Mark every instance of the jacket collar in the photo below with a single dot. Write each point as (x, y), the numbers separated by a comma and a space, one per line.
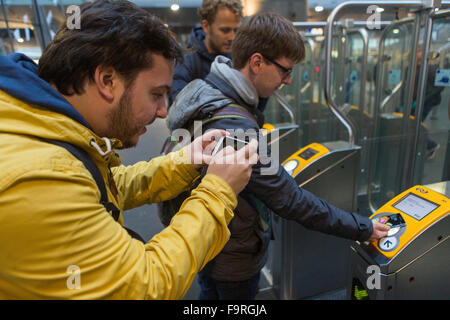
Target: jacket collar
(19, 78)
(227, 90)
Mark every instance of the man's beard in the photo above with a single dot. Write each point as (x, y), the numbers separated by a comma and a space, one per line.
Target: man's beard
(122, 125)
(216, 49)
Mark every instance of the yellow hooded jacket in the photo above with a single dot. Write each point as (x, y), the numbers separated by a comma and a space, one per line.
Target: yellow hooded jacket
(58, 242)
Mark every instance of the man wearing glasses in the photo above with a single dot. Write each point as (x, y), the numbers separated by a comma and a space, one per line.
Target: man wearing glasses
(264, 51)
(285, 72)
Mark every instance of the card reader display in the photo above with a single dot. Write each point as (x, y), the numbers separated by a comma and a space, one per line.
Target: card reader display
(304, 157)
(415, 206)
(408, 215)
(308, 154)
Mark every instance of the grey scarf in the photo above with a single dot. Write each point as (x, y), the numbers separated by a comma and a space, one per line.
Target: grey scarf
(244, 88)
(199, 94)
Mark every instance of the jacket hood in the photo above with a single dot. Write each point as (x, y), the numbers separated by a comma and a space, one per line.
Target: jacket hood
(30, 106)
(197, 41)
(231, 86)
(191, 100)
(232, 82)
(196, 38)
(19, 78)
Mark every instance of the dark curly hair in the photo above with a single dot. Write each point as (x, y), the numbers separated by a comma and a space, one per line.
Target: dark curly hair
(115, 34)
(209, 8)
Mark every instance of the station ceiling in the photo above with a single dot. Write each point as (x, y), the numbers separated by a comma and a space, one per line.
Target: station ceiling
(326, 4)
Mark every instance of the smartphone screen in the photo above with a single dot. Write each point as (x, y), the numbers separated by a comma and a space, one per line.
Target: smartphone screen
(229, 141)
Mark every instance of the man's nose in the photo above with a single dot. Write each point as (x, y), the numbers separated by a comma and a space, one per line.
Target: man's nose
(232, 35)
(161, 112)
(288, 79)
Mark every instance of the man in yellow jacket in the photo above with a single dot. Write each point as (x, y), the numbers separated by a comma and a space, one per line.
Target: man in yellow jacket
(97, 88)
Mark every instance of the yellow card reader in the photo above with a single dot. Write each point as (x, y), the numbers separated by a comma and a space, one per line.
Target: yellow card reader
(408, 215)
(305, 156)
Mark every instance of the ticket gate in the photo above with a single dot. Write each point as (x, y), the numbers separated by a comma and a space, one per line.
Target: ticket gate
(384, 180)
(308, 263)
(412, 262)
(282, 135)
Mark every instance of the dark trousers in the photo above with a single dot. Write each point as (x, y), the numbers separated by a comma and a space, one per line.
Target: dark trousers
(224, 290)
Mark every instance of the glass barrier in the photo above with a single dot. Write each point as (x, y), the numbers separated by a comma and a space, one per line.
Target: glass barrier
(432, 158)
(389, 137)
(23, 27)
(53, 13)
(27, 26)
(6, 43)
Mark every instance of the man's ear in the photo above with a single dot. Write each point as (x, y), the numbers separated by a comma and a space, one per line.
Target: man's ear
(255, 62)
(205, 26)
(106, 80)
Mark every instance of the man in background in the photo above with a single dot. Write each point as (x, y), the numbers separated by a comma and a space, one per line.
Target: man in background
(219, 22)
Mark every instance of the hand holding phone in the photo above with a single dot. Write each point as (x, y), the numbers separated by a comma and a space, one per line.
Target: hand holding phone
(235, 167)
(228, 141)
(199, 150)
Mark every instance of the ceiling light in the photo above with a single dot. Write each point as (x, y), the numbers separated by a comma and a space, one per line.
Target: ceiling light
(318, 8)
(174, 6)
(318, 31)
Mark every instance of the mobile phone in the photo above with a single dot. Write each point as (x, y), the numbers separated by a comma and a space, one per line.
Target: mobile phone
(228, 141)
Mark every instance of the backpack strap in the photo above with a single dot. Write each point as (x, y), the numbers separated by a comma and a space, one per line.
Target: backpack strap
(90, 165)
(95, 172)
(231, 111)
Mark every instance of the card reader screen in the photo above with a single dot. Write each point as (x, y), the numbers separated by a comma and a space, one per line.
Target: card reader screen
(415, 206)
(308, 153)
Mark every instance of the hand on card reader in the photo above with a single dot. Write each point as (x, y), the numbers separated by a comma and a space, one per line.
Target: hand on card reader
(397, 226)
(393, 220)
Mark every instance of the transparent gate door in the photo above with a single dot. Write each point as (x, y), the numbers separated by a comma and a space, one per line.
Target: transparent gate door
(431, 163)
(393, 123)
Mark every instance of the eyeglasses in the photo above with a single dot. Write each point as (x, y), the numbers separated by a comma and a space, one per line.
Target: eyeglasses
(286, 72)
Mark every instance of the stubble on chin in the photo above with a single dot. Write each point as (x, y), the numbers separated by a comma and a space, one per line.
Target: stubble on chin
(121, 124)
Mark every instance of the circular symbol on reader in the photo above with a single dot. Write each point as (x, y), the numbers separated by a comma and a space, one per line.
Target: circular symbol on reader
(388, 243)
